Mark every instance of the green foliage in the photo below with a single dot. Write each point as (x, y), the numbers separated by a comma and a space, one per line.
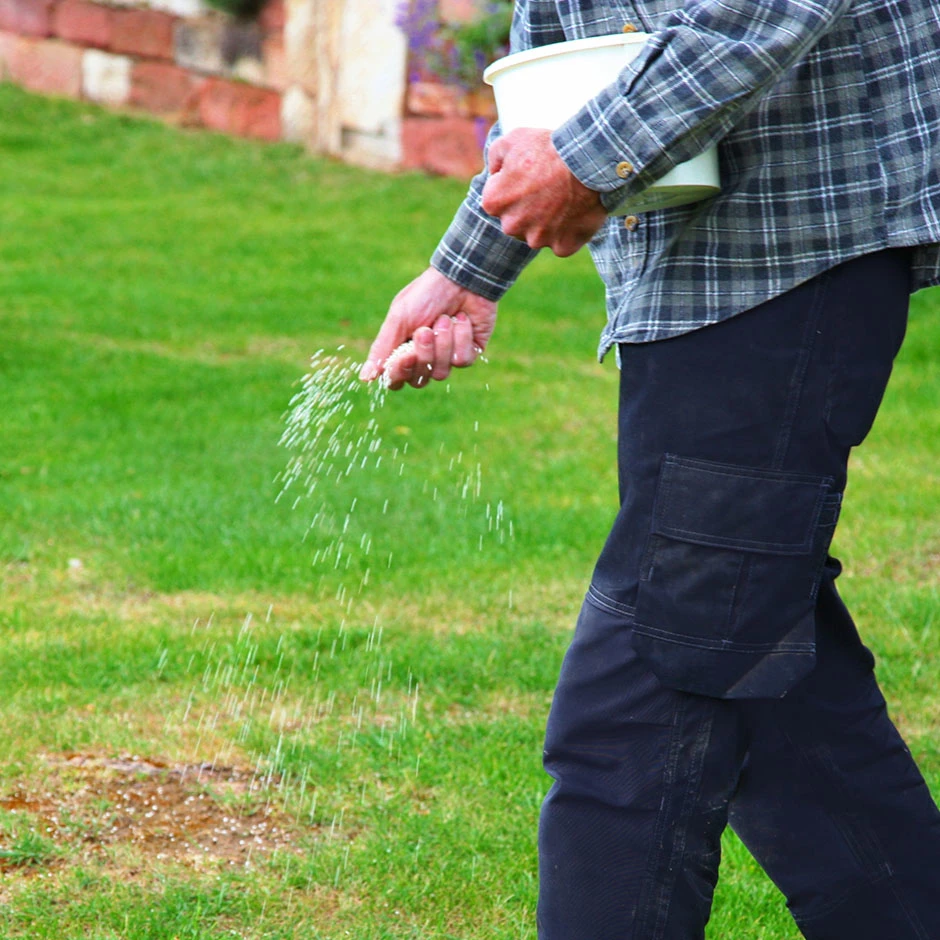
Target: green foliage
(454, 53)
(27, 848)
(242, 8)
(480, 42)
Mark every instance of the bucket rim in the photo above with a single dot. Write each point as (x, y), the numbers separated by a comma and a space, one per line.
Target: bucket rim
(559, 49)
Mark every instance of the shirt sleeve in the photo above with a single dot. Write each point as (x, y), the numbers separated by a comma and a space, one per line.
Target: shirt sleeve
(711, 62)
(474, 251)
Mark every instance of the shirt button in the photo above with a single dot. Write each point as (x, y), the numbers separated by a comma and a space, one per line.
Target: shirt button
(631, 222)
(630, 28)
(624, 169)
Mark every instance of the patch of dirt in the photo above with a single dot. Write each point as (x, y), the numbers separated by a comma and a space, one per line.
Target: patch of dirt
(190, 814)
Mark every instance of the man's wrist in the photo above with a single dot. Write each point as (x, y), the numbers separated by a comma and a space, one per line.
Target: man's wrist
(599, 162)
(475, 254)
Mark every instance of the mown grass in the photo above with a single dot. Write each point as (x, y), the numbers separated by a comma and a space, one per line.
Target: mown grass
(160, 294)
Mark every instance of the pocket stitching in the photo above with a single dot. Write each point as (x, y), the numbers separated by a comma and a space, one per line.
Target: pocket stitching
(661, 507)
(723, 645)
(752, 502)
(599, 599)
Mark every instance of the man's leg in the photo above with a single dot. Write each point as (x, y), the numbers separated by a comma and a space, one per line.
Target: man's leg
(733, 449)
(832, 805)
(629, 839)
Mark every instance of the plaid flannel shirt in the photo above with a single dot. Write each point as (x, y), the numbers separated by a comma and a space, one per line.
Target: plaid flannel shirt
(827, 118)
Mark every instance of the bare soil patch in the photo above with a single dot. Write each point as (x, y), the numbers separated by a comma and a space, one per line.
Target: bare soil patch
(194, 814)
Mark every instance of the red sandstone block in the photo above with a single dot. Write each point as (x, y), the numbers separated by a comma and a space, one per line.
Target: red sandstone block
(87, 24)
(240, 109)
(27, 17)
(448, 146)
(163, 88)
(146, 33)
(434, 99)
(273, 16)
(479, 103)
(47, 66)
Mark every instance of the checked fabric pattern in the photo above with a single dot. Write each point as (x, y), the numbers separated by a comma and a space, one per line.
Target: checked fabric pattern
(827, 116)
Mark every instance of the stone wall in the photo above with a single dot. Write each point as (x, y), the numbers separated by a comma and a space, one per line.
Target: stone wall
(444, 126)
(330, 74)
(346, 59)
(170, 57)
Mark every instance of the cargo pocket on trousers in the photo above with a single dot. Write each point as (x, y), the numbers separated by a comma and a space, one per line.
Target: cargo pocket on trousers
(728, 584)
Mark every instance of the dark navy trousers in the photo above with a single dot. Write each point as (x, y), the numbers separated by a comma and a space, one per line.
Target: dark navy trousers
(715, 676)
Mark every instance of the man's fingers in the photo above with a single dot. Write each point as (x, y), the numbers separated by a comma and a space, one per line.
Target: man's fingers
(399, 370)
(495, 156)
(489, 198)
(424, 357)
(535, 196)
(431, 300)
(443, 348)
(495, 198)
(465, 349)
(389, 338)
(432, 354)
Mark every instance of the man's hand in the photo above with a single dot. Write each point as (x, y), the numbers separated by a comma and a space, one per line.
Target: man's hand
(450, 327)
(535, 196)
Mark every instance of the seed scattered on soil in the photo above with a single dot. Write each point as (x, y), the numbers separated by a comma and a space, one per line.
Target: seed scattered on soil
(193, 814)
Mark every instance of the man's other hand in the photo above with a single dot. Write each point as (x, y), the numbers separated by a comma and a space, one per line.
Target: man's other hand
(535, 196)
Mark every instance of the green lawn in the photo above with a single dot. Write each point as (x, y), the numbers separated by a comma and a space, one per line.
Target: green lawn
(324, 750)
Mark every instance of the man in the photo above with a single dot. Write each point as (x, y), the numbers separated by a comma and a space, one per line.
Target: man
(715, 676)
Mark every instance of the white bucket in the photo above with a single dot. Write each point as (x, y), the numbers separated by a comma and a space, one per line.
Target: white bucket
(545, 86)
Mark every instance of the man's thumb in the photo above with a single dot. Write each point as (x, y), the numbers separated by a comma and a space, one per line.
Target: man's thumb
(496, 156)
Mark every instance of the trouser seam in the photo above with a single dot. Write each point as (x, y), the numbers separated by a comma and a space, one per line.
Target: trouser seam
(798, 378)
(816, 766)
(668, 851)
(913, 921)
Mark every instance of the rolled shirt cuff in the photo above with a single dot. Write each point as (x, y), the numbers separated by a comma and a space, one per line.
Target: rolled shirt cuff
(476, 254)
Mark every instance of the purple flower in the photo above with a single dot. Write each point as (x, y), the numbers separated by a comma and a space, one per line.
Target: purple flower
(454, 54)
